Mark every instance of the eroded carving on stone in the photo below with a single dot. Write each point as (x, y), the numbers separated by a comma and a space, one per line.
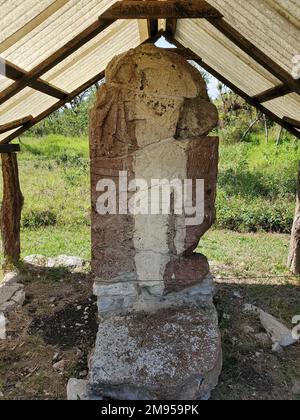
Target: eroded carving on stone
(150, 120)
(147, 121)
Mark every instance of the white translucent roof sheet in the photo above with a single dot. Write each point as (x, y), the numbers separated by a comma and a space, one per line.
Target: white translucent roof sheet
(31, 31)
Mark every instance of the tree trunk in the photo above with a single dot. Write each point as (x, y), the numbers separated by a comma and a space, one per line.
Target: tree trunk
(11, 209)
(278, 140)
(294, 256)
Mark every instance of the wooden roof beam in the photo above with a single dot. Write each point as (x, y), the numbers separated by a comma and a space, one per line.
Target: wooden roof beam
(15, 124)
(256, 54)
(170, 9)
(9, 148)
(273, 93)
(152, 27)
(54, 108)
(292, 122)
(184, 52)
(171, 26)
(16, 73)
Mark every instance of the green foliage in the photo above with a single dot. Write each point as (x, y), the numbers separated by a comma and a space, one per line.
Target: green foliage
(257, 186)
(38, 218)
(246, 254)
(71, 120)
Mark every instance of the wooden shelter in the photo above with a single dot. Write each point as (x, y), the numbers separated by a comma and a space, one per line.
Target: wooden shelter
(52, 50)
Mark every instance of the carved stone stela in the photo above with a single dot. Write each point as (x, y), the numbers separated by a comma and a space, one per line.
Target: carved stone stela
(158, 334)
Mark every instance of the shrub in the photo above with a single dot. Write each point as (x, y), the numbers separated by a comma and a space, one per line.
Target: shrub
(35, 219)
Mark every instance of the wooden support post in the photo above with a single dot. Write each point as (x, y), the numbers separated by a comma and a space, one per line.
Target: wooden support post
(294, 255)
(11, 209)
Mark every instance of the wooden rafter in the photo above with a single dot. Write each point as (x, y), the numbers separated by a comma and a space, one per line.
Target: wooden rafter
(9, 148)
(15, 124)
(272, 93)
(152, 27)
(152, 9)
(256, 54)
(16, 73)
(253, 102)
(292, 122)
(184, 52)
(64, 52)
(54, 108)
(171, 26)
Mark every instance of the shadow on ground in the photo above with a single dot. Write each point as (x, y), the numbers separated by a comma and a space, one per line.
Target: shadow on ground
(251, 370)
(58, 323)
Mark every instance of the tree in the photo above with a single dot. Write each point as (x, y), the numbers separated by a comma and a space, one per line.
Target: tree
(294, 255)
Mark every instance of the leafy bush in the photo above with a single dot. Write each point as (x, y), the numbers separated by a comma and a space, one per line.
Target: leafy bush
(257, 186)
(35, 219)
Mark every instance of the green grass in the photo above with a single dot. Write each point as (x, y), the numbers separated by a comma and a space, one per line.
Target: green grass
(57, 240)
(257, 186)
(55, 180)
(54, 147)
(237, 254)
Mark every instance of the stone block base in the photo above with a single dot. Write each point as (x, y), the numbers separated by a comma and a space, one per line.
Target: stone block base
(171, 354)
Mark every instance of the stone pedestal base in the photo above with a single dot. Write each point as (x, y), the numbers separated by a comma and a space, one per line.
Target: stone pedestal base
(170, 354)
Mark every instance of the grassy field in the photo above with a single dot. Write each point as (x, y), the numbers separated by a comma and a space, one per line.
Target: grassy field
(256, 187)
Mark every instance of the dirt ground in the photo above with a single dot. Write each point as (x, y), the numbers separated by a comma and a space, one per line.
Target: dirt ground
(51, 337)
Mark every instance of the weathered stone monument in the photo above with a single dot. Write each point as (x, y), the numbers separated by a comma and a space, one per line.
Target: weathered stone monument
(158, 331)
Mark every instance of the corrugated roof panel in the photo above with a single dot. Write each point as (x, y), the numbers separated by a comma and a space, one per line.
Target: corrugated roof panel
(272, 25)
(15, 14)
(223, 56)
(54, 32)
(4, 83)
(287, 106)
(27, 102)
(8, 133)
(79, 68)
(94, 56)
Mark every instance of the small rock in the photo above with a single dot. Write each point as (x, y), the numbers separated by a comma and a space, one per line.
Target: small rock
(251, 309)
(263, 339)
(276, 348)
(79, 353)
(64, 261)
(83, 374)
(296, 388)
(53, 300)
(77, 390)
(11, 292)
(237, 295)
(2, 326)
(248, 330)
(59, 366)
(79, 308)
(278, 332)
(226, 316)
(56, 358)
